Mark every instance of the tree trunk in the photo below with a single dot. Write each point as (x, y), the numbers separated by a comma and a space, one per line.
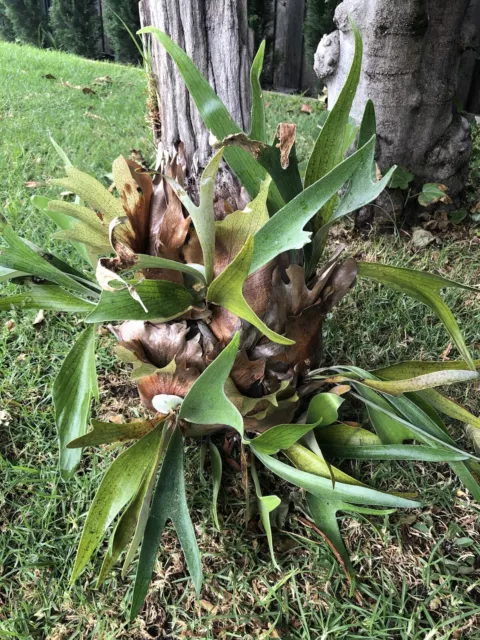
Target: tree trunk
(288, 44)
(214, 33)
(410, 68)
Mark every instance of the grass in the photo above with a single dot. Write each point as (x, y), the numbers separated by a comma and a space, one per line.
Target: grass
(419, 571)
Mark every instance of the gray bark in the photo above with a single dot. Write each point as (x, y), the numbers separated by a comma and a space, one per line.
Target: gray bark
(288, 55)
(412, 51)
(214, 33)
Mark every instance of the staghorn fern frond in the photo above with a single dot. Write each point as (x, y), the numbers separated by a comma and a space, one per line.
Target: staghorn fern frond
(220, 313)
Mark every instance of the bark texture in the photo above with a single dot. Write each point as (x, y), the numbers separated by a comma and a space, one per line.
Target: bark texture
(214, 33)
(412, 51)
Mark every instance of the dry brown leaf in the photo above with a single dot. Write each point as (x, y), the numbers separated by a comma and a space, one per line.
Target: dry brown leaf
(93, 116)
(103, 80)
(32, 184)
(39, 318)
(286, 133)
(475, 208)
(340, 389)
(116, 418)
(85, 90)
(10, 324)
(48, 76)
(239, 140)
(305, 108)
(446, 353)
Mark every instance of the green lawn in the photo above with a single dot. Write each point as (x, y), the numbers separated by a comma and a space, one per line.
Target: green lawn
(419, 572)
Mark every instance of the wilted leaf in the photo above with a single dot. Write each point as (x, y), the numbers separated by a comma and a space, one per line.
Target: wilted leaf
(103, 80)
(432, 193)
(92, 192)
(305, 108)
(426, 381)
(286, 139)
(421, 238)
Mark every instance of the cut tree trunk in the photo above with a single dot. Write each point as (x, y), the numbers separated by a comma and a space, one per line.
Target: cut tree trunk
(412, 51)
(214, 33)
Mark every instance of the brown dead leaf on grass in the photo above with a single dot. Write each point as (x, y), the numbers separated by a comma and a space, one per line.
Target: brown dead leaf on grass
(103, 80)
(85, 90)
(305, 108)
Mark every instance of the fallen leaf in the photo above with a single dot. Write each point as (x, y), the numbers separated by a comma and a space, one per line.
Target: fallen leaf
(21, 357)
(5, 416)
(39, 318)
(93, 116)
(446, 353)
(116, 418)
(306, 108)
(31, 184)
(78, 87)
(10, 324)
(208, 606)
(49, 76)
(421, 238)
(340, 389)
(103, 80)
(475, 208)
